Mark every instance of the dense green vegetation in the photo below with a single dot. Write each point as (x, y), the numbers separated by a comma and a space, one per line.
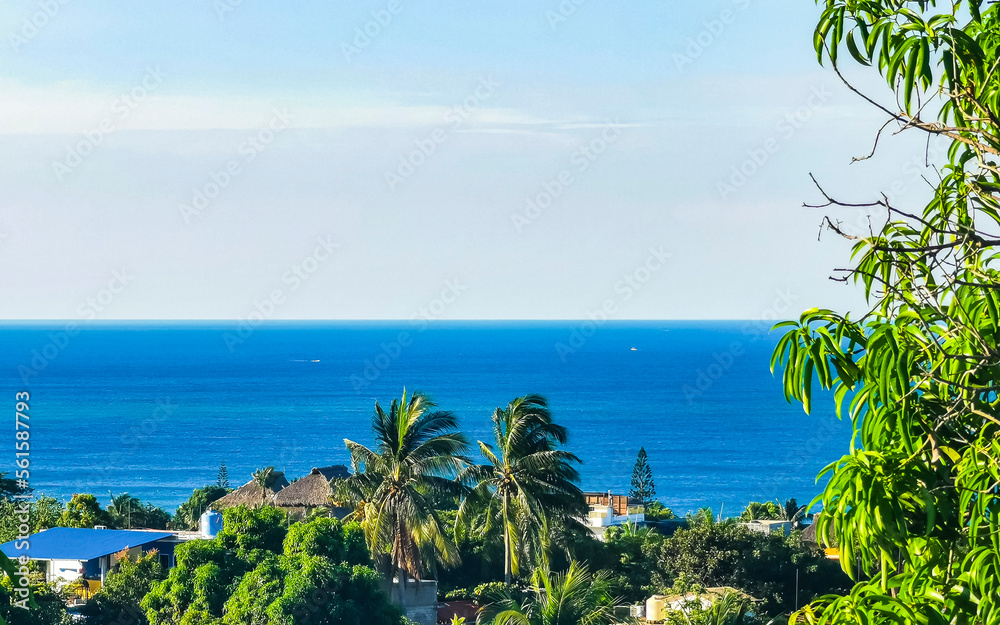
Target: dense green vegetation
(189, 512)
(257, 572)
(507, 534)
(916, 497)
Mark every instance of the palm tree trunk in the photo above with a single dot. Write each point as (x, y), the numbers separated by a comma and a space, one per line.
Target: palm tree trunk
(397, 565)
(506, 543)
(400, 586)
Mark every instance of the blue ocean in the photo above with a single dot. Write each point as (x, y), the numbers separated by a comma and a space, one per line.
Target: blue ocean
(152, 409)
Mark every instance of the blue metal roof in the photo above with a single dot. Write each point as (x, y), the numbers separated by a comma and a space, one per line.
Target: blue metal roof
(70, 543)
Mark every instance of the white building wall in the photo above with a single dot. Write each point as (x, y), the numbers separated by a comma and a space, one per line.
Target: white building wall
(67, 570)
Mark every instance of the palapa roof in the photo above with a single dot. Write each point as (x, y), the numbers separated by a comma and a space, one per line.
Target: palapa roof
(249, 493)
(313, 490)
(809, 535)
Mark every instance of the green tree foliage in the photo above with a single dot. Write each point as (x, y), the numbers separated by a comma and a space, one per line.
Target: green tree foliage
(764, 566)
(528, 486)
(631, 553)
(916, 496)
(315, 590)
(254, 573)
(731, 608)
(83, 510)
(49, 606)
(118, 601)
(245, 531)
(43, 513)
(418, 452)
(189, 513)
(569, 598)
(330, 539)
(656, 511)
(128, 512)
(480, 557)
(761, 511)
(643, 487)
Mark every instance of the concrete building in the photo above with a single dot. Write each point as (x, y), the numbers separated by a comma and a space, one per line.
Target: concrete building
(608, 510)
(769, 526)
(419, 599)
(84, 557)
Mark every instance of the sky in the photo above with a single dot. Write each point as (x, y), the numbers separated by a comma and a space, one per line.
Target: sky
(387, 159)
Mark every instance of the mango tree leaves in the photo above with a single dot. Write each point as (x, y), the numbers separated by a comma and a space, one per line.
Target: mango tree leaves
(914, 504)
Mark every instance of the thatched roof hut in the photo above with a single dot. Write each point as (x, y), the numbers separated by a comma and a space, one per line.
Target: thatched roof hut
(250, 495)
(312, 491)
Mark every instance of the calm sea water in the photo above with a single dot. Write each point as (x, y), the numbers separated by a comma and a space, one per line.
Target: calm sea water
(154, 409)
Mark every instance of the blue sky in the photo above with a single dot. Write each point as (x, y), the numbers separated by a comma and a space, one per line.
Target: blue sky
(422, 157)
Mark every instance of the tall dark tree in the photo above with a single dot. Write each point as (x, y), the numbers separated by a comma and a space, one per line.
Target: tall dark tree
(642, 479)
(222, 481)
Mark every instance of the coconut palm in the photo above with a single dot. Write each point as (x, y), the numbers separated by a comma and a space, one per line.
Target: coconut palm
(418, 452)
(728, 609)
(263, 478)
(526, 484)
(122, 508)
(575, 597)
(793, 512)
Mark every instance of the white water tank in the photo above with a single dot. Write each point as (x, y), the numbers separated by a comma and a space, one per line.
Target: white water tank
(655, 608)
(211, 524)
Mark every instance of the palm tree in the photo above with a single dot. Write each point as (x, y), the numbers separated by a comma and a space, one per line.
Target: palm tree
(263, 478)
(631, 529)
(121, 509)
(526, 482)
(729, 609)
(418, 452)
(575, 597)
(793, 511)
